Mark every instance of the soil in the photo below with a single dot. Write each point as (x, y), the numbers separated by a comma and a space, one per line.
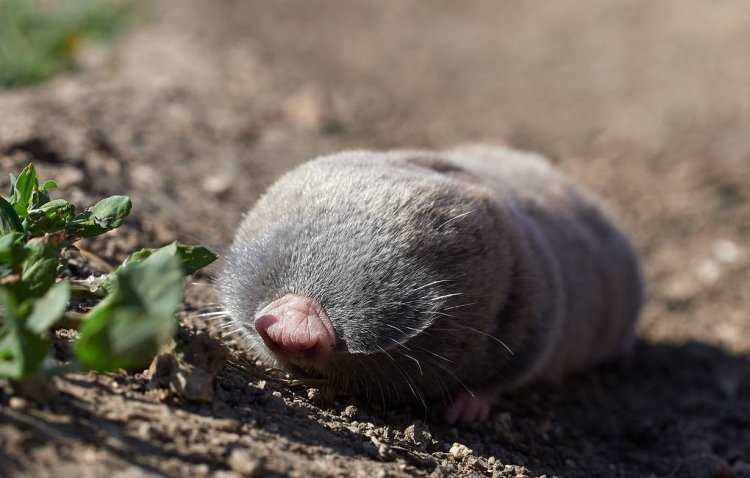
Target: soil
(203, 104)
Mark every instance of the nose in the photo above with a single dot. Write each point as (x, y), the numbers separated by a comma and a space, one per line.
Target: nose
(297, 329)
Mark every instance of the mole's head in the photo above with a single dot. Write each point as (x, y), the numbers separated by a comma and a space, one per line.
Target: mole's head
(367, 271)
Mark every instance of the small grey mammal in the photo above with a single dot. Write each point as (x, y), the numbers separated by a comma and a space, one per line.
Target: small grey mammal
(418, 275)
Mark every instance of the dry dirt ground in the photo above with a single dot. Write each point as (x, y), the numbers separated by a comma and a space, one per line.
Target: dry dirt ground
(203, 104)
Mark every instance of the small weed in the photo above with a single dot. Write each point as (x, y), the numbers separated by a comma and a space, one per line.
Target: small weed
(137, 302)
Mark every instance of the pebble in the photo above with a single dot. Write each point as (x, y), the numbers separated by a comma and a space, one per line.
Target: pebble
(726, 251)
(244, 463)
(418, 434)
(217, 184)
(313, 393)
(350, 412)
(459, 451)
(17, 403)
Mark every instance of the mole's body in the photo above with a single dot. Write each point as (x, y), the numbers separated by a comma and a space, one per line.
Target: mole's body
(432, 275)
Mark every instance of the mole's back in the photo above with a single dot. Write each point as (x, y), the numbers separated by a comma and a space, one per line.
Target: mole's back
(599, 269)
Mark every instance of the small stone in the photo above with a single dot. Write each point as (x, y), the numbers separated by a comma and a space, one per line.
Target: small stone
(217, 184)
(459, 451)
(244, 463)
(350, 412)
(276, 394)
(313, 393)
(709, 271)
(17, 403)
(144, 431)
(419, 435)
(261, 384)
(726, 251)
(201, 469)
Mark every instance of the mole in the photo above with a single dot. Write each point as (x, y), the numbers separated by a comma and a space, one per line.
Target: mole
(439, 277)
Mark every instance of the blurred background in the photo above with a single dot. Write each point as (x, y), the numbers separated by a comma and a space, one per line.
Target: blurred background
(194, 107)
(647, 103)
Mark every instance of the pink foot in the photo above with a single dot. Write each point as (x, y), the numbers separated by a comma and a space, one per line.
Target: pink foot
(469, 408)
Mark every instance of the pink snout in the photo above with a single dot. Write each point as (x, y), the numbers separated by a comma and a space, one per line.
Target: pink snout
(297, 330)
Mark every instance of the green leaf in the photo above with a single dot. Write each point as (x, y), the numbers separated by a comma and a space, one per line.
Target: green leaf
(192, 258)
(38, 198)
(40, 268)
(9, 220)
(104, 216)
(109, 213)
(24, 186)
(50, 217)
(129, 326)
(12, 250)
(13, 179)
(21, 351)
(49, 185)
(49, 308)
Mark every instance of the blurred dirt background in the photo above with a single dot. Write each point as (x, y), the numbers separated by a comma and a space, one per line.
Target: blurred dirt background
(202, 104)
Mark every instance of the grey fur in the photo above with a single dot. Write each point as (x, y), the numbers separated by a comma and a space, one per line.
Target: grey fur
(478, 267)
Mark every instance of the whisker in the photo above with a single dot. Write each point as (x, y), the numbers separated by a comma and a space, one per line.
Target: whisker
(201, 283)
(455, 218)
(469, 304)
(431, 283)
(436, 355)
(481, 332)
(455, 294)
(419, 365)
(404, 375)
(231, 332)
(218, 313)
(218, 317)
(460, 382)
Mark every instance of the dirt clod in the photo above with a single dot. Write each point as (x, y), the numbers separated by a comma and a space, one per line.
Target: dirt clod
(350, 412)
(418, 434)
(459, 451)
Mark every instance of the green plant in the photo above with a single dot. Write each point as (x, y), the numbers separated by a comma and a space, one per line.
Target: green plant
(135, 314)
(38, 40)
